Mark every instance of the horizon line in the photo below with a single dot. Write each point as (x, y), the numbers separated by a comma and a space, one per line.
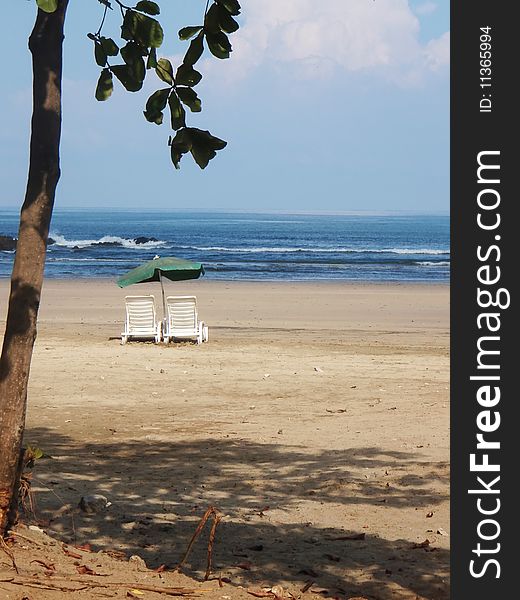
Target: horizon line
(354, 212)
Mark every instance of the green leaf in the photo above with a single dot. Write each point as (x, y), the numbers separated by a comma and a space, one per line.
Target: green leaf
(195, 50)
(109, 46)
(187, 75)
(100, 55)
(202, 155)
(204, 146)
(179, 145)
(187, 32)
(48, 6)
(128, 25)
(130, 75)
(150, 8)
(34, 453)
(38, 453)
(142, 29)
(105, 85)
(218, 44)
(155, 105)
(226, 21)
(212, 19)
(139, 70)
(151, 62)
(232, 6)
(164, 70)
(203, 137)
(177, 112)
(132, 52)
(157, 101)
(153, 117)
(218, 19)
(189, 97)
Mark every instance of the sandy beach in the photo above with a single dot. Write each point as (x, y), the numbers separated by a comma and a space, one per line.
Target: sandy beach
(316, 419)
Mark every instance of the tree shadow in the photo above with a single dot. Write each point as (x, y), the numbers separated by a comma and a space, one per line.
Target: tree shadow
(159, 490)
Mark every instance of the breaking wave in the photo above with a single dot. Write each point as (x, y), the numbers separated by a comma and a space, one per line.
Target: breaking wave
(107, 240)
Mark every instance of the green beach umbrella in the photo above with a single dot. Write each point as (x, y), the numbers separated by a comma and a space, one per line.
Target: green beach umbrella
(169, 267)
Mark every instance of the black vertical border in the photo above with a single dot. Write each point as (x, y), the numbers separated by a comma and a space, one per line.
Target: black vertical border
(473, 131)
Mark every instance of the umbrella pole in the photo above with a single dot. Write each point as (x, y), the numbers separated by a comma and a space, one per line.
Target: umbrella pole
(163, 300)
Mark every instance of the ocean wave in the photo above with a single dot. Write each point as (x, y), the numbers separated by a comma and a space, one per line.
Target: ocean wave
(107, 240)
(428, 263)
(315, 250)
(93, 260)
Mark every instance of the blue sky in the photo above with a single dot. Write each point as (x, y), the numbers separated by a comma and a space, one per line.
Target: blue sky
(338, 105)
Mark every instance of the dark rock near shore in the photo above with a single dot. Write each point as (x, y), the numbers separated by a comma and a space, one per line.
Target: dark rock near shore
(145, 240)
(107, 244)
(7, 243)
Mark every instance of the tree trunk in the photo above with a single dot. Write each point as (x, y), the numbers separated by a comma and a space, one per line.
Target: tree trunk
(45, 44)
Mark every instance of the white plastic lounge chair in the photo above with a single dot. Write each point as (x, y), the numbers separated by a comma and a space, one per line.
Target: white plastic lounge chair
(182, 320)
(141, 321)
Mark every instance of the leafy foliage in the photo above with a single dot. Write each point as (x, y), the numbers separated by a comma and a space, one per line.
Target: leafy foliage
(109, 46)
(218, 44)
(189, 97)
(150, 8)
(164, 70)
(188, 32)
(232, 6)
(187, 75)
(201, 144)
(195, 50)
(142, 29)
(177, 112)
(32, 454)
(143, 35)
(155, 105)
(105, 85)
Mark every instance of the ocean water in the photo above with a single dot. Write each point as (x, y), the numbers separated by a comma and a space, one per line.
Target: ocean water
(245, 246)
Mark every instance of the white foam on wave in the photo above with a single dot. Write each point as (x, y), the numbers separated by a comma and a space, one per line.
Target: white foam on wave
(113, 239)
(427, 263)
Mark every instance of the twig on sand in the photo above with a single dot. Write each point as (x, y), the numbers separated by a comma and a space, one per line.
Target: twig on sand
(24, 537)
(217, 517)
(6, 549)
(216, 521)
(45, 585)
(59, 583)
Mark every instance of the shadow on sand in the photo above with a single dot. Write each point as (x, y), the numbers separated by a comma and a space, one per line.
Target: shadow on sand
(160, 490)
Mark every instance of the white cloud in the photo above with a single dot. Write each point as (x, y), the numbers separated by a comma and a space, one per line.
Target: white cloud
(437, 52)
(352, 35)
